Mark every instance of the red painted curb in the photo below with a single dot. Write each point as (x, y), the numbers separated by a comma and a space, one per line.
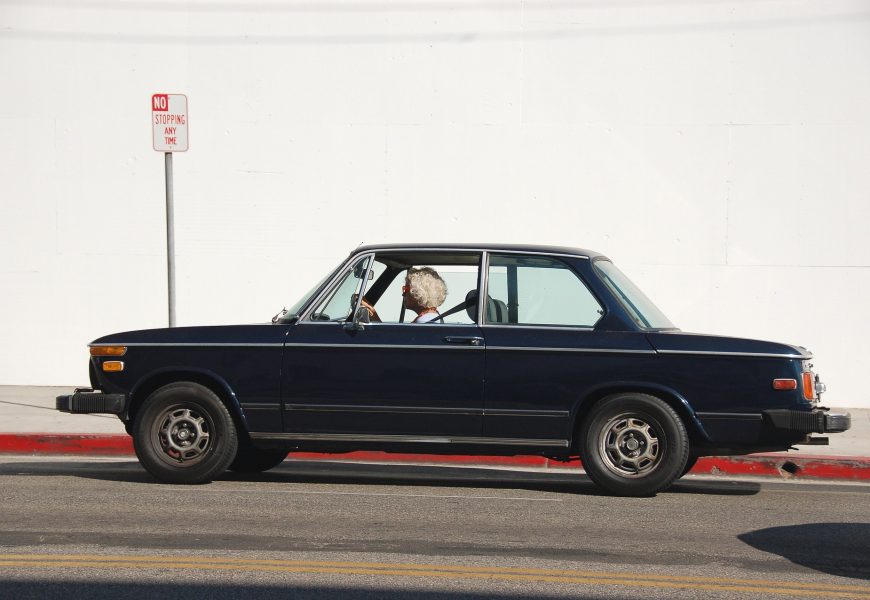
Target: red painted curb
(853, 468)
(66, 443)
(778, 465)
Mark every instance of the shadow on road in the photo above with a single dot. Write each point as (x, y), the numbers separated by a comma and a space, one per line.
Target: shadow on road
(348, 473)
(478, 477)
(121, 471)
(836, 548)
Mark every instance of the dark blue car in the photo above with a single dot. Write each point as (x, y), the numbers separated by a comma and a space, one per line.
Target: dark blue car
(534, 350)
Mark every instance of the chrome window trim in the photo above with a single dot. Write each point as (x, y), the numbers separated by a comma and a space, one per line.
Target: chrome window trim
(473, 249)
(529, 326)
(372, 253)
(745, 354)
(362, 288)
(408, 439)
(483, 293)
(340, 323)
(544, 327)
(482, 280)
(416, 410)
(482, 286)
(563, 349)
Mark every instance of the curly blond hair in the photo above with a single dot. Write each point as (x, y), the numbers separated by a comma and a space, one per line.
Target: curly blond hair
(427, 287)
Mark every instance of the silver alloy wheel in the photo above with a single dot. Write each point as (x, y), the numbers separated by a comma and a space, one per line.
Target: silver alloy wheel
(183, 434)
(629, 446)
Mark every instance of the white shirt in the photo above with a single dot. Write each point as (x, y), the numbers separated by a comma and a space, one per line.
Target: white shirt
(426, 317)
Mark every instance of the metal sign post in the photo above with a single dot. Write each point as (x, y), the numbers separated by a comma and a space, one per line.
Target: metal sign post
(170, 240)
(169, 134)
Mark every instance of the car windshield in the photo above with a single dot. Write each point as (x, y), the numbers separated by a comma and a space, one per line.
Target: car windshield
(639, 307)
(289, 314)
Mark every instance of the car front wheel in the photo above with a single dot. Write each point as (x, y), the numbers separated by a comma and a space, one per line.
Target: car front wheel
(184, 434)
(634, 444)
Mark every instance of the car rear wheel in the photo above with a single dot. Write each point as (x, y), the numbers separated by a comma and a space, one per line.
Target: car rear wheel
(254, 460)
(634, 444)
(184, 434)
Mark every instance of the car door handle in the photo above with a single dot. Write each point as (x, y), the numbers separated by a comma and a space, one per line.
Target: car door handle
(464, 340)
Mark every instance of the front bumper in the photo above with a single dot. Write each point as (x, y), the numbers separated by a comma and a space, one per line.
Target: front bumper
(800, 421)
(87, 400)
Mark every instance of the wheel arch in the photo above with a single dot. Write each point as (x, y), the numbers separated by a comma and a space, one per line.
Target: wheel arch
(696, 431)
(208, 379)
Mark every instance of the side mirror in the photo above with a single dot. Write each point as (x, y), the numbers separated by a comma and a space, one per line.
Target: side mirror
(359, 272)
(360, 318)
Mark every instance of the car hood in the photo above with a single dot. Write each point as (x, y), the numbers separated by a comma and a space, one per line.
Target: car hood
(678, 342)
(210, 334)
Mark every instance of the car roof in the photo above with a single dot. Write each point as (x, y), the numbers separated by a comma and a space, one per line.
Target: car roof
(564, 250)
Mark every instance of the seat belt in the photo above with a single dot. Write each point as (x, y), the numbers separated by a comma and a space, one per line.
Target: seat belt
(461, 306)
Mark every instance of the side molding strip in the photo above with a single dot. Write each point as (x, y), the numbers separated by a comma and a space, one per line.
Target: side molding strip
(382, 409)
(407, 439)
(730, 416)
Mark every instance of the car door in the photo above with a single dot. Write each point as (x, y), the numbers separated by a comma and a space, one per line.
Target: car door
(543, 352)
(380, 382)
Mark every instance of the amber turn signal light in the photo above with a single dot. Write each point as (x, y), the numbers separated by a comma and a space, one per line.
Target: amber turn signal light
(809, 385)
(108, 350)
(113, 366)
(785, 384)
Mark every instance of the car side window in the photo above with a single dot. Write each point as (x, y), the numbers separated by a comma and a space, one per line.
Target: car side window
(459, 279)
(533, 290)
(339, 303)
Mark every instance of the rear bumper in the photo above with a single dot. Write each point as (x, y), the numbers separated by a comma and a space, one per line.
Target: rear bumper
(815, 421)
(87, 400)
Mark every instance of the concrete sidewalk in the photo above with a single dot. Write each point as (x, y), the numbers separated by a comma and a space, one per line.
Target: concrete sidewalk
(29, 424)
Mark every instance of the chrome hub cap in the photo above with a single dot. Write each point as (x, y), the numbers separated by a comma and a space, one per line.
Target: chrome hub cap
(629, 446)
(183, 434)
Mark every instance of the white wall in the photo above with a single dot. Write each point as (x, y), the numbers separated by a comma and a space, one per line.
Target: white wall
(717, 150)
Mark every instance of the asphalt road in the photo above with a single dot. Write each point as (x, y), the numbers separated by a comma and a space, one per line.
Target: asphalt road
(89, 528)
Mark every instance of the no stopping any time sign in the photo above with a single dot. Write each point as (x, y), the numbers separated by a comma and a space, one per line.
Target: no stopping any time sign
(169, 122)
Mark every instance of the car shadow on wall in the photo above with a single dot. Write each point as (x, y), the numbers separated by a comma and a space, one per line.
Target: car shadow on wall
(841, 549)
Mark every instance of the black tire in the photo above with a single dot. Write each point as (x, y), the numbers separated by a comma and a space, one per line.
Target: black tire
(633, 445)
(184, 434)
(255, 460)
(689, 464)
